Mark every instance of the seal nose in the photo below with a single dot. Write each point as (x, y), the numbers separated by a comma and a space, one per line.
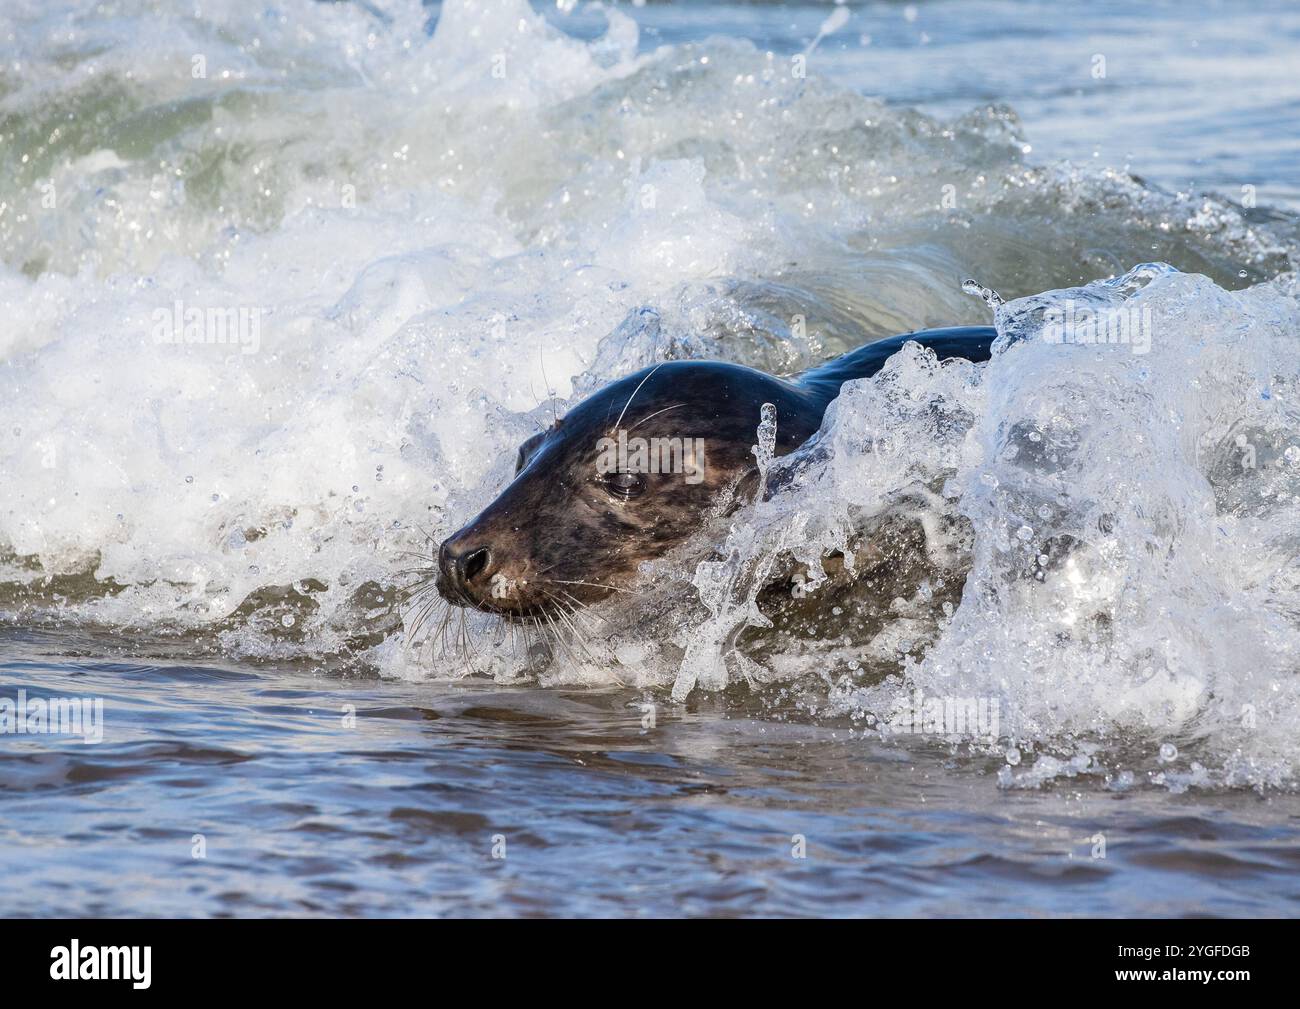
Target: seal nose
(464, 564)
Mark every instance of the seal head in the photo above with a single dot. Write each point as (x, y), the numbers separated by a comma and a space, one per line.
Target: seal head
(623, 478)
(631, 472)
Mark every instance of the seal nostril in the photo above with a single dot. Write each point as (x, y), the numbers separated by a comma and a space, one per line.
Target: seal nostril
(474, 564)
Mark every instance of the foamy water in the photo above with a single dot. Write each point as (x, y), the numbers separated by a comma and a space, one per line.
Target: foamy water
(284, 288)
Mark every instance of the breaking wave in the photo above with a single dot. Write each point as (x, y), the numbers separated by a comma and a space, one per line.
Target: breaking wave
(284, 289)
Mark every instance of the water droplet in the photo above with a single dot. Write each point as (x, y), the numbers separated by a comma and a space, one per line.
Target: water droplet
(1168, 752)
(287, 620)
(189, 479)
(765, 450)
(1025, 533)
(1013, 756)
(989, 296)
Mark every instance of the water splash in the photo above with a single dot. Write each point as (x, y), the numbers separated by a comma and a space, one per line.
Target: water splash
(1125, 519)
(987, 295)
(834, 21)
(765, 450)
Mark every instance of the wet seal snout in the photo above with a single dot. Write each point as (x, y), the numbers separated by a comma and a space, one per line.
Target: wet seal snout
(462, 563)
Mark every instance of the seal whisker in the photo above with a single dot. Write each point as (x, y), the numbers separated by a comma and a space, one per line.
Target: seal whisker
(443, 617)
(500, 620)
(634, 392)
(467, 644)
(414, 594)
(573, 628)
(537, 626)
(595, 585)
(563, 640)
(561, 614)
(548, 625)
(574, 612)
(578, 608)
(555, 635)
(412, 577)
(675, 406)
(543, 571)
(419, 604)
(408, 572)
(442, 631)
(421, 616)
(550, 394)
(440, 640)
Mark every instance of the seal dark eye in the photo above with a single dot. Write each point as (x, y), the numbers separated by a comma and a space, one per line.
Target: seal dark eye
(624, 485)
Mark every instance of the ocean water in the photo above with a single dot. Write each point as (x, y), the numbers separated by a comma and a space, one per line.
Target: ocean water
(413, 235)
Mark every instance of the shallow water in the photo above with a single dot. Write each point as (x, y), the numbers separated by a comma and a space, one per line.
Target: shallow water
(397, 815)
(207, 538)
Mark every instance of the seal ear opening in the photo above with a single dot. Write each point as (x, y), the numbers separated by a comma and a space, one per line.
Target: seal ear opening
(529, 449)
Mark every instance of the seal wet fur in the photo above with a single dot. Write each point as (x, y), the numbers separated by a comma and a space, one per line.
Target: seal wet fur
(569, 531)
